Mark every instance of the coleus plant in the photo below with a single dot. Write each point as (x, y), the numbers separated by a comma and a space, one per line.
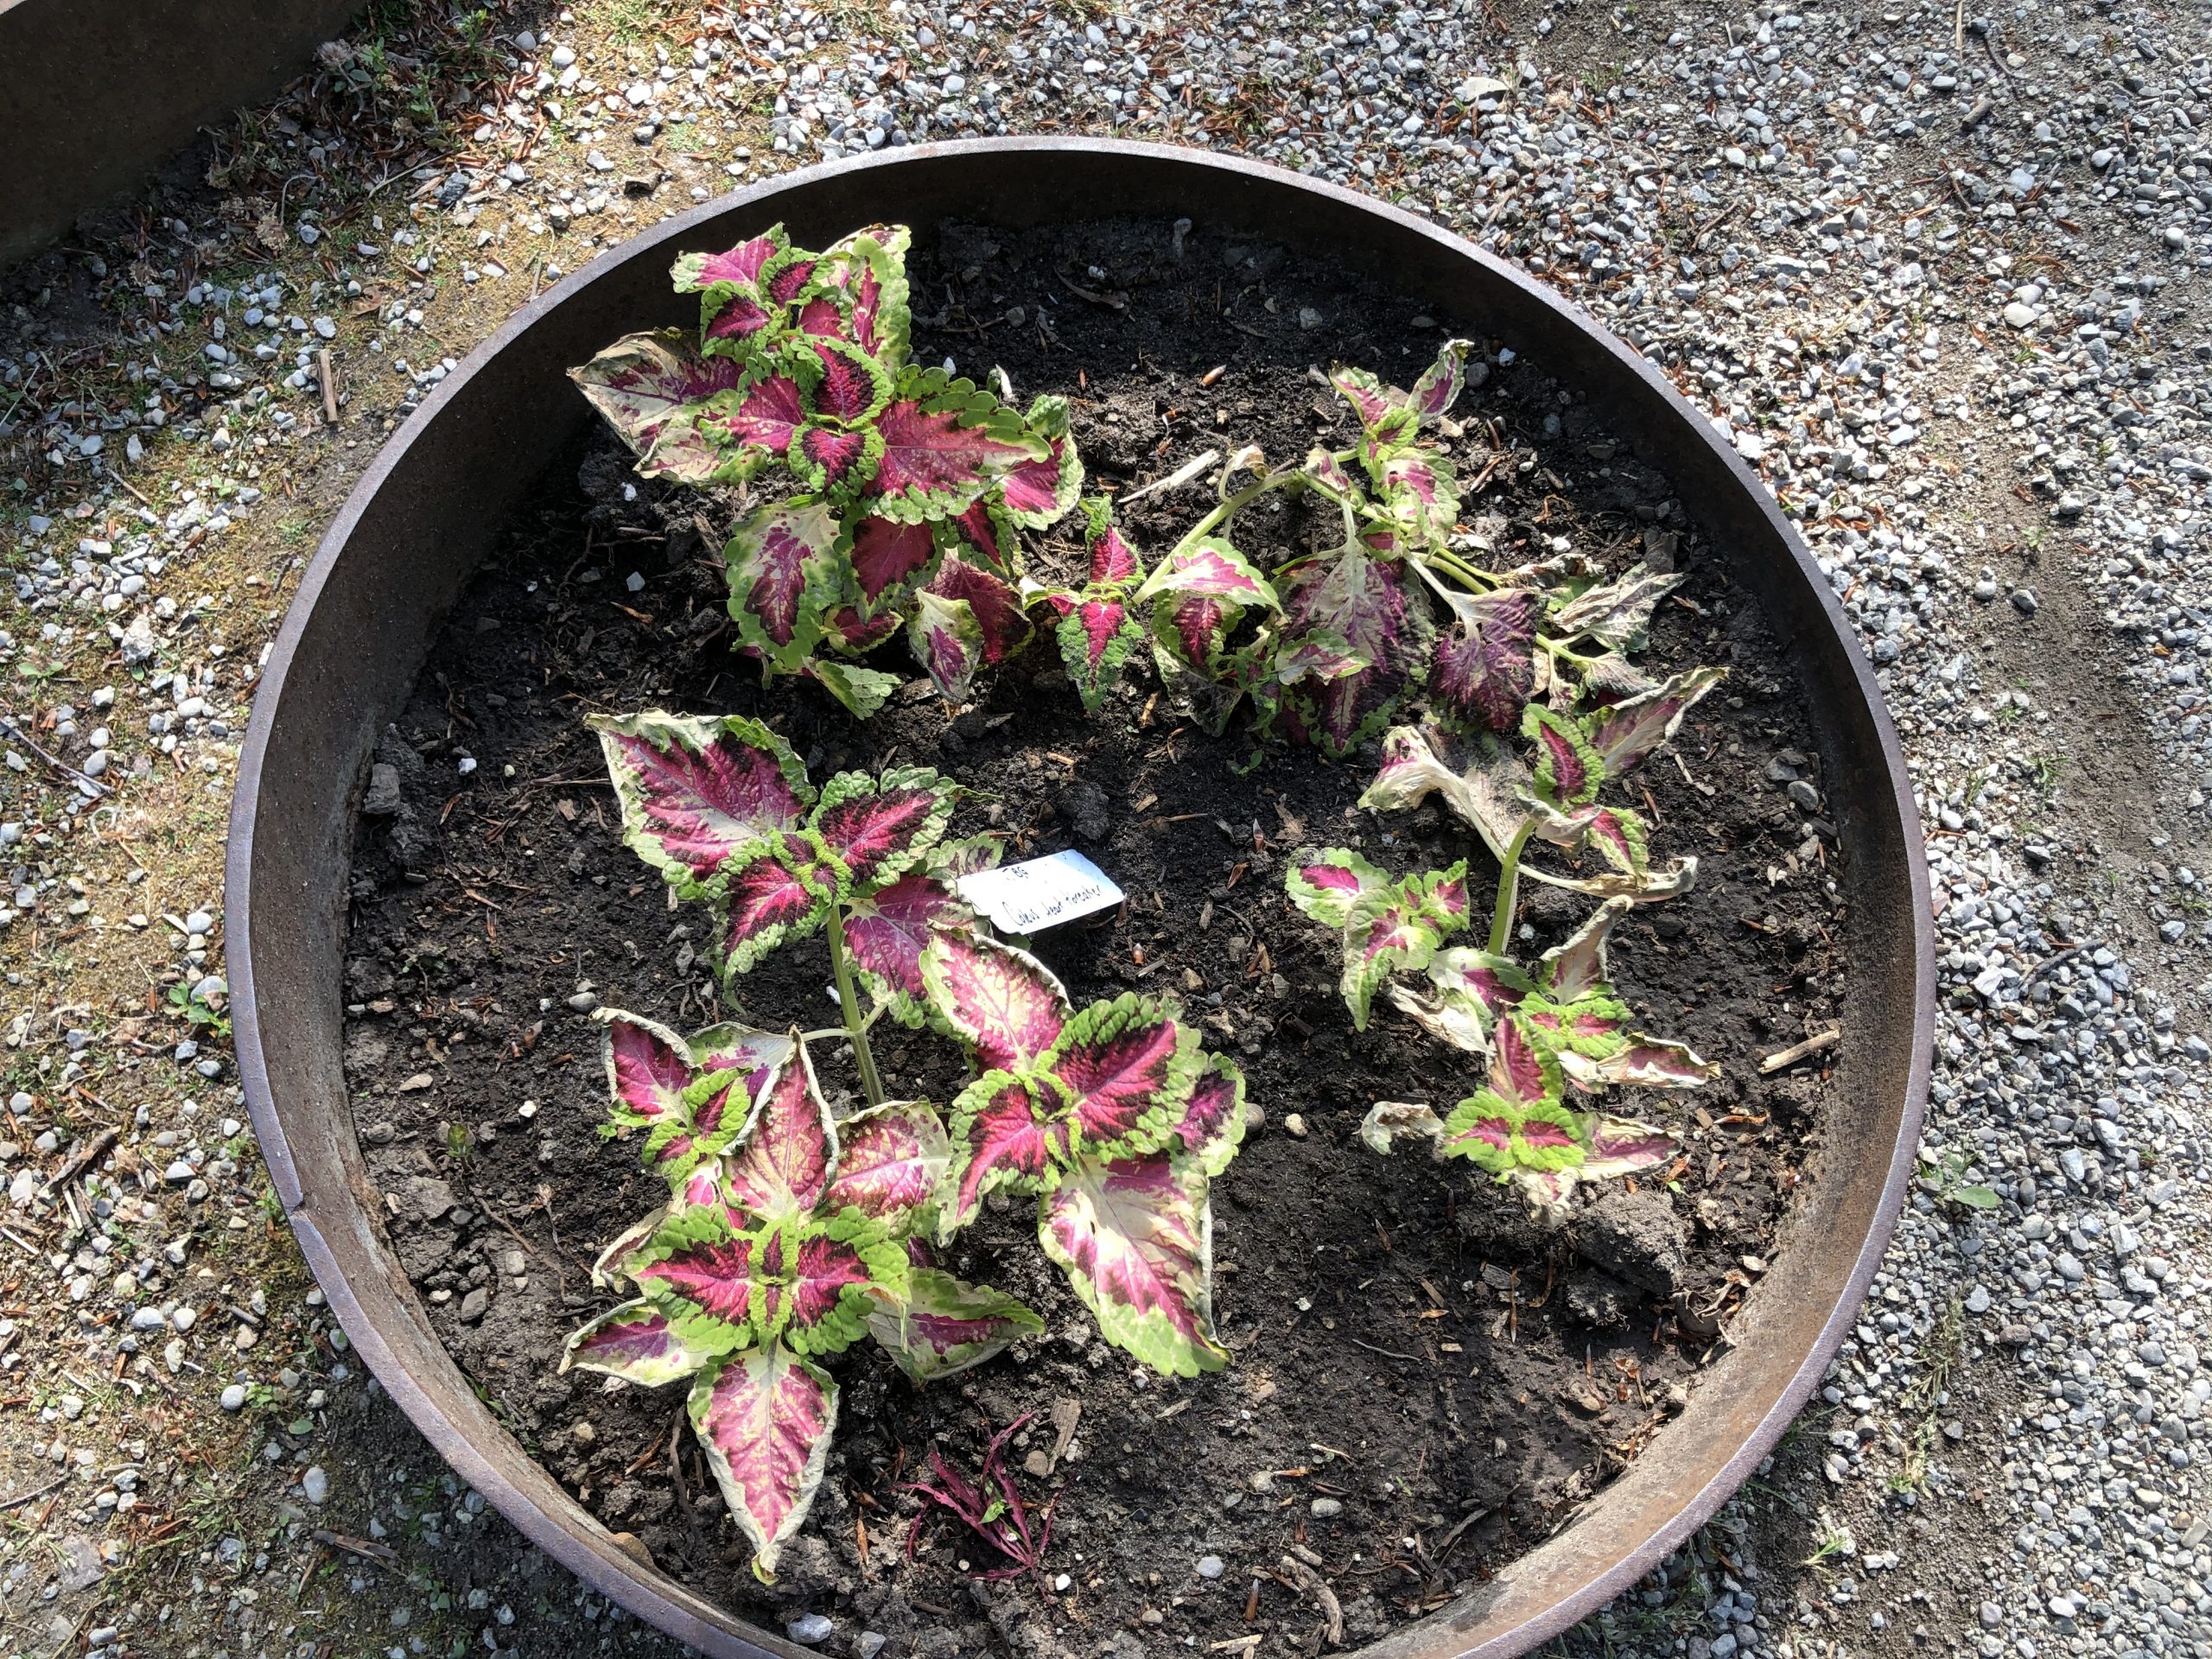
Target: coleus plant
(787, 1236)
(1335, 645)
(1113, 1118)
(911, 485)
(723, 808)
(1543, 1033)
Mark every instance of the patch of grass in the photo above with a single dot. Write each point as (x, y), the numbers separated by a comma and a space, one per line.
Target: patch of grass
(1832, 1540)
(1924, 1398)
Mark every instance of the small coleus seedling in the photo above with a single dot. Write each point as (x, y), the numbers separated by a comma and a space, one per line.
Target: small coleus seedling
(911, 484)
(1113, 1118)
(991, 1507)
(786, 1237)
(1385, 926)
(1098, 625)
(723, 808)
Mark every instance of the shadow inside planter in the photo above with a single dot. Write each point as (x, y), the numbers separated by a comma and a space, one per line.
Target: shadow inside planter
(428, 512)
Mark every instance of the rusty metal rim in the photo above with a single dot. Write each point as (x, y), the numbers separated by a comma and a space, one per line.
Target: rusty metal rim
(643, 1591)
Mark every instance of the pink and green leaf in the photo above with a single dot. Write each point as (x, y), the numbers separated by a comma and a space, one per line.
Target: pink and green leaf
(862, 690)
(1038, 492)
(773, 890)
(946, 1326)
(1114, 563)
(1324, 883)
(1522, 1073)
(705, 1274)
(885, 931)
(886, 556)
(1482, 671)
(1007, 1005)
(636, 1342)
(1209, 1127)
(944, 444)
(864, 278)
(893, 1159)
(1432, 394)
(948, 642)
(833, 461)
(783, 1163)
(1135, 1238)
(1007, 1131)
(1123, 1070)
(648, 1067)
(1501, 1135)
(1568, 770)
(842, 1268)
(646, 384)
(1644, 1063)
(764, 414)
(1621, 1146)
(765, 1418)
(693, 790)
(879, 828)
(1208, 568)
(1002, 620)
(785, 577)
(610, 1269)
(1370, 399)
(1575, 967)
(1386, 931)
(1625, 733)
(1095, 637)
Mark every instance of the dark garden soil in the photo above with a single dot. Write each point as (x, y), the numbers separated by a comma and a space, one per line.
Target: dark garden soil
(1423, 1387)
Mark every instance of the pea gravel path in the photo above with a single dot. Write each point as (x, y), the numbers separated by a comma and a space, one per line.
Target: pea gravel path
(1940, 275)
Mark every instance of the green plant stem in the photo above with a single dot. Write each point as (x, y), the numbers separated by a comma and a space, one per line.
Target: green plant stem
(1509, 889)
(1553, 648)
(1458, 569)
(871, 1082)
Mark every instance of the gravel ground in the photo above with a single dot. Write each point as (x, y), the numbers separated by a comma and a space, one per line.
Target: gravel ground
(1941, 277)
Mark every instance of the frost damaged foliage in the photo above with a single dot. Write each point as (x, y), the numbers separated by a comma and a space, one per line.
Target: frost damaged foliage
(786, 1238)
(1559, 1027)
(1334, 647)
(912, 486)
(1548, 1036)
(1115, 1120)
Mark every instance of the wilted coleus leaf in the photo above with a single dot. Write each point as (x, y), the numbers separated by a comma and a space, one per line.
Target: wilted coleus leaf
(1573, 1012)
(1481, 788)
(945, 1325)
(636, 1342)
(1465, 993)
(765, 1417)
(1363, 602)
(1136, 1238)
(693, 789)
(1624, 733)
(1440, 385)
(862, 690)
(654, 390)
(1399, 927)
(1483, 669)
(1616, 614)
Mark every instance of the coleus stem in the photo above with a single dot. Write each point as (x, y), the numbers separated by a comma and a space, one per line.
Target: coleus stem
(856, 1028)
(1509, 888)
(1458, 569)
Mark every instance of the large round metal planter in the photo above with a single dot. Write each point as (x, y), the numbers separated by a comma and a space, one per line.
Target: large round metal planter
(427, 511)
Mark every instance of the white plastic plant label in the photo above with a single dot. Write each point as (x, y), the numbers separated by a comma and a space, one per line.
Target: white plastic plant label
(1040, 892)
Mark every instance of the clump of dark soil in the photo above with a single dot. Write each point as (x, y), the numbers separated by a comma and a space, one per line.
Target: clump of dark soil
(1423, 1386)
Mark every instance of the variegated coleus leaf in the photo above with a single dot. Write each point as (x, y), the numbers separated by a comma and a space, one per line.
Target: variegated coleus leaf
(1208, 568)
(739, 308)
(1095, 637)
(1136, 1240)
(1616, 614)
(891, 1161)
(636, 1342)
(1325, 882)
(1419, 490)
(694, 791)
(756, 421)
(1617, 1147)
(777, 888)
(1399, 928)
(880, 828)
(1432, 394)
(1575, 967)
(1640, 1062)
(1518, 1121)
(786, 575)
(1007, 1006)
(985, 536)
(1465, 993)
(1483, 669)
(859, 293)
(654, 389)
(783, 1161)
(1363, 602)
(1329, 477)
(1625, 733)
(765, 1418)
(809, 1281)
(1370, 400)
(1568, 770)
(1618, 834)
(887, 559)
(608, 1269)
(966, 618)
(1115, 1083)
(946, 1326)
(885, 930)
(1038, 492)
(944, 444)
(1209, 1127)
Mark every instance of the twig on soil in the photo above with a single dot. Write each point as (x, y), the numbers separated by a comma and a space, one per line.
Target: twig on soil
(328, 376)
(1312, 1584)
(31, 1497)
(1797, 1051)
(58, 765)
(2051, 963)
(82, 1159)
(1387, 1353)
(367, 1548)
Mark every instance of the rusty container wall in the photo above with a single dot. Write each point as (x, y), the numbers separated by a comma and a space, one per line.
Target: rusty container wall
(95, 95)
(415, 528)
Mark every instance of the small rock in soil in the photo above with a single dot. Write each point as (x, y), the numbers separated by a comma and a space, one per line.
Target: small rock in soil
(810, 1628)
(1084, 806)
